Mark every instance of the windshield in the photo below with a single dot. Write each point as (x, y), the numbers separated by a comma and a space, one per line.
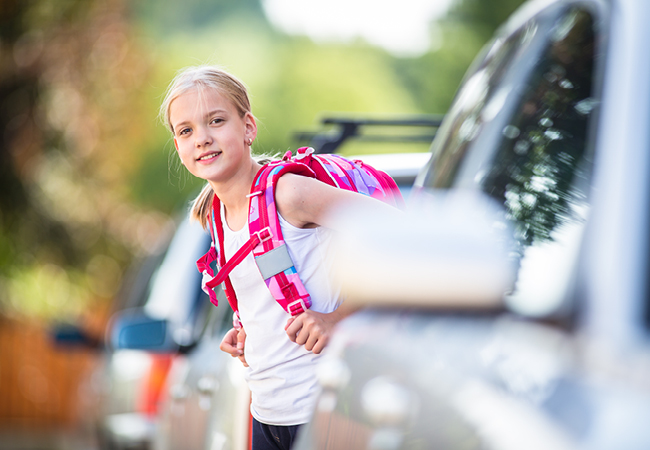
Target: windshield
(520, 131)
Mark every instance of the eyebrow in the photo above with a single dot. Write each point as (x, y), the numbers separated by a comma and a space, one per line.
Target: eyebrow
(216, 111)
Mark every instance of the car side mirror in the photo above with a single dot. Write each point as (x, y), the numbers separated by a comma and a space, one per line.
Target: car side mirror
(449, 251)
(71, 336)
(134, 330)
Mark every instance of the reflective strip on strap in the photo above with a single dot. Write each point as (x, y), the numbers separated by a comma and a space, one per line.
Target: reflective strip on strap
(274, 261)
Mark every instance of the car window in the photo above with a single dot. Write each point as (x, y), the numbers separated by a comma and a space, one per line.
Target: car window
(520, 131)
(200, 317)
(174, 284)
(175, 290)
(136, 287)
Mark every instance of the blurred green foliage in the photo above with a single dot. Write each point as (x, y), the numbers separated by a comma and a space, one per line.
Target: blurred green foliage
(89, 178)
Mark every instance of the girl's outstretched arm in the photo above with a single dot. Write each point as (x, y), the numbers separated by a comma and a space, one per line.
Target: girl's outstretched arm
(306, 202)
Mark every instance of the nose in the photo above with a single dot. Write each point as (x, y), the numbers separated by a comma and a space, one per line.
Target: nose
(202, 138)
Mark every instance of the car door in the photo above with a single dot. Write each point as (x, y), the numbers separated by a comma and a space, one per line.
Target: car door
(207, 398)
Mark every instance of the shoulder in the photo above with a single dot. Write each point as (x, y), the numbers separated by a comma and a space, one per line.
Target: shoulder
(294, 195)
(294, 189)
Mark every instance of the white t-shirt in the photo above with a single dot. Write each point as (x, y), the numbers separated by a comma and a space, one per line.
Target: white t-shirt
(281, 374)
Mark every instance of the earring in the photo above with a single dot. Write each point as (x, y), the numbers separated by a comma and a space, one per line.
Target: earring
(250, 142)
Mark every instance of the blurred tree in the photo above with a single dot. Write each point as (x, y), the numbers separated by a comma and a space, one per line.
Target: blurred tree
(312, 80)
(67, 140)
(483, 16)
(161, 17)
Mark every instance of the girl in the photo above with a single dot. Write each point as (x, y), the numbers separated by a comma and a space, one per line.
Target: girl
(208, 112)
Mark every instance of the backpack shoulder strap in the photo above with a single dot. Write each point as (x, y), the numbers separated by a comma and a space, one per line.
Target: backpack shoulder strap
(272, 255)
(216, 230)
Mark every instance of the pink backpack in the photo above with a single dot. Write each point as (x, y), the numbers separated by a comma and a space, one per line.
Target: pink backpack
(266, 241)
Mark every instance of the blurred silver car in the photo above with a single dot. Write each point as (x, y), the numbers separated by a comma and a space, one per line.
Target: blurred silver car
(510, 309)
(130, 383)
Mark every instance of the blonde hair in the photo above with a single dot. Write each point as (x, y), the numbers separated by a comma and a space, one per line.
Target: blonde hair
(204, 77)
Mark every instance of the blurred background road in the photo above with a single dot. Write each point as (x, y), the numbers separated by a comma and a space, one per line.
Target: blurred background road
(55, 440)
(89, 182)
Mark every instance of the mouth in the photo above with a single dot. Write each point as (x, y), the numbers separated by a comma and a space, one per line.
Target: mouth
(208, 156)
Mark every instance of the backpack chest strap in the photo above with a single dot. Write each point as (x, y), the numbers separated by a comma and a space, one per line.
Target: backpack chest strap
(255, 239)
(270, 251)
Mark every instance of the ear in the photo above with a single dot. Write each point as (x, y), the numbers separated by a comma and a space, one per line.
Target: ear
(176, 144)
(251, 126)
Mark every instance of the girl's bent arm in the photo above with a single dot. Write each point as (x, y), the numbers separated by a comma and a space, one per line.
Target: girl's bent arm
(306, 203)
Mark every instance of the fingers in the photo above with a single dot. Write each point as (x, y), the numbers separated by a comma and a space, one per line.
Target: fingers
(319, 345)
(241, 342)
(315, 343)
(308, 329)
(228, 342)
(231, 345)
(241, 339)
(289, 322)
(293, 327)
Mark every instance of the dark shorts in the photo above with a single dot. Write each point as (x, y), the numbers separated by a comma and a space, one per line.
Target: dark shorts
(273, 437)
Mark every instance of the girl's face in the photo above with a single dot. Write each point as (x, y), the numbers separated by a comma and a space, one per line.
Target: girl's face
(210, 136)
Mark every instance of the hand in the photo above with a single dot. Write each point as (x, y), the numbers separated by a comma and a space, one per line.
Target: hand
(233, 343)
(312, 329)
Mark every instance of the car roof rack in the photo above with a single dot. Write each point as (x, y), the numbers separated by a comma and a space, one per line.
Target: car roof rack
(341, 129)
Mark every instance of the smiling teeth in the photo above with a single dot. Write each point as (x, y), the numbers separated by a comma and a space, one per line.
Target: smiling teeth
(211, 155)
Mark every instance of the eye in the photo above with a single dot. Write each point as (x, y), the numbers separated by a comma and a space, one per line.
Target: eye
(216, 121)
(184, 131)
